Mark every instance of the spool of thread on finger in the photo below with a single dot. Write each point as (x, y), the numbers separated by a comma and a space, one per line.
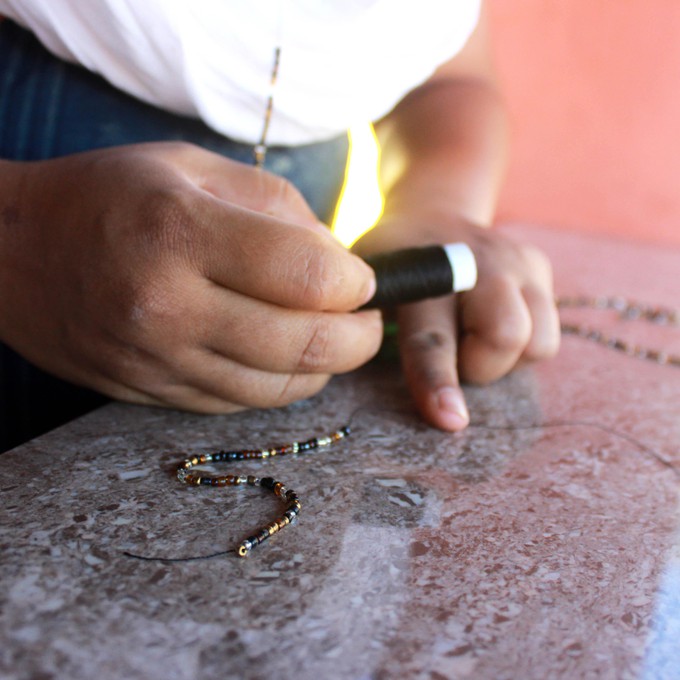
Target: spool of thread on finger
(415, 274)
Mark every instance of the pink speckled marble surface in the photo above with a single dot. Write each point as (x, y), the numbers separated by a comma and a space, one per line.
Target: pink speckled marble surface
(509, 551)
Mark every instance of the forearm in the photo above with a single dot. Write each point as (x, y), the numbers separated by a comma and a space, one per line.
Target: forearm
(443, 152)
(12, 179)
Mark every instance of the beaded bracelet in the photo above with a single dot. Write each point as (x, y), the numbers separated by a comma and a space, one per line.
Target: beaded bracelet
(288, 496)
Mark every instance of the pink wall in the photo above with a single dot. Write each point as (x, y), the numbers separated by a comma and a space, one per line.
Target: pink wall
(593, 89)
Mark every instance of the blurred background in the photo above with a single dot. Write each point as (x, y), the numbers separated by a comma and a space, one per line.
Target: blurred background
(592, 88)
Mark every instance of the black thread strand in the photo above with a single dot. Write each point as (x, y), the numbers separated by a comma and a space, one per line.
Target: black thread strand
(146, 558)
(585, 423)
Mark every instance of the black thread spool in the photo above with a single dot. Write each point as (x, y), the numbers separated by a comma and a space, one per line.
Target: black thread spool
(415, 274)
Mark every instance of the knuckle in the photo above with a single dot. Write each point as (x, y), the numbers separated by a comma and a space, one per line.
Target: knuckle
(149, 304)
(280, 192)
(537, 262)
(511, 331)
(316, 353)
(426, 342)
(164, 209)
(429, 357)
(320, 282)
(508, 327)
(153, 318)
(168, 217)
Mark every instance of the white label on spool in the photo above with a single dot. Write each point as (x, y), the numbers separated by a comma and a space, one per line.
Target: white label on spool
(463, 265)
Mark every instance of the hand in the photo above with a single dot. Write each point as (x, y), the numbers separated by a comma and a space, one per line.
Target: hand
(164, 274)
(482, 334)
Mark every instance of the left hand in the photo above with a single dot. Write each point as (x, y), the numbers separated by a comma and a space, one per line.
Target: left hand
(443, 152)
(480, 335)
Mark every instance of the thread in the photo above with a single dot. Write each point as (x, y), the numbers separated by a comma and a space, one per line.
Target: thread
(414, 274)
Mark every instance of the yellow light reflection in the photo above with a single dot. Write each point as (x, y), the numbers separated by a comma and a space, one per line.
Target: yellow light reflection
(361, 203)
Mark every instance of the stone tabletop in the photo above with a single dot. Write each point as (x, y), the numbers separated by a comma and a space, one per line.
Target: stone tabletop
(543, 542)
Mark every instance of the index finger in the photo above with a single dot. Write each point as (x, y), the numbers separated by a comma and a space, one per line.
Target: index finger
(277, 261)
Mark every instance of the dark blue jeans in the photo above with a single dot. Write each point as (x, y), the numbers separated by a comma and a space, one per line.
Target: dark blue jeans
(49, 108)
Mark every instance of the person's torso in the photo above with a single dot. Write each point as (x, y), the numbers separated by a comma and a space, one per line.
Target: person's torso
(341, 62)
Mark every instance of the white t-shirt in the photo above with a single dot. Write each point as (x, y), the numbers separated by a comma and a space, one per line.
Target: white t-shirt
(342, 61)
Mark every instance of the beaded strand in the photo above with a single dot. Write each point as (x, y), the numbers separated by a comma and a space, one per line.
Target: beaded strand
(663, 316)
(260, 149)
(288, 496)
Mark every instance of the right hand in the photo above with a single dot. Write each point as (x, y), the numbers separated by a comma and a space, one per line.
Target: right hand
(164, 274)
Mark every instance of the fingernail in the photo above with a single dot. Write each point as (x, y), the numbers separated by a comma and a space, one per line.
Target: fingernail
(451, 402)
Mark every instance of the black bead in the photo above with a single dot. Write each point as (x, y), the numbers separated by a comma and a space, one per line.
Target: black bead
(267, 482)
